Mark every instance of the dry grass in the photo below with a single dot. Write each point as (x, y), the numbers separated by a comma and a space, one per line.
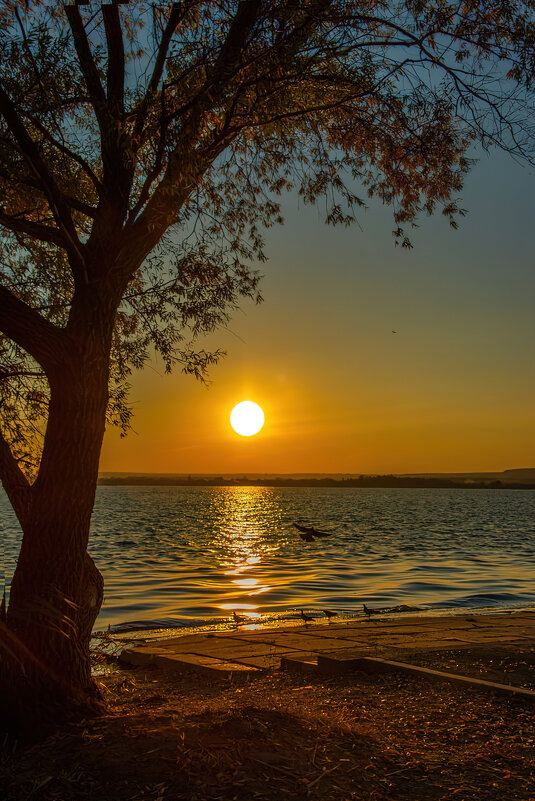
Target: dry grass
(168, 738)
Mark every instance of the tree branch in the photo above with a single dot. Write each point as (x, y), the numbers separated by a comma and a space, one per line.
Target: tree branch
(44, 233)
(117, 161)
(241, 26)
(225, 66)
(30, 153)
(87, 63)
(226, 63)
(66, 151)
(37, 336)
(33, 183)
(6, 374)
(15, 483)
(174, 18)
(79, 205)
(114, 39)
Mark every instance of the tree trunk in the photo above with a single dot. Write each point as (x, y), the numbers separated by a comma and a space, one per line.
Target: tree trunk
(56, 593)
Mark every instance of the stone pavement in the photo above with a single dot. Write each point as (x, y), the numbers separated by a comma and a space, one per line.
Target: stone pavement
(248, 650)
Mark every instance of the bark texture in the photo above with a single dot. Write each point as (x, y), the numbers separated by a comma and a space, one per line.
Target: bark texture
(57, 590)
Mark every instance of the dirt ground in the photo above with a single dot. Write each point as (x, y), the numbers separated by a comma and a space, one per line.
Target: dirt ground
(506, 664)
(282, 736)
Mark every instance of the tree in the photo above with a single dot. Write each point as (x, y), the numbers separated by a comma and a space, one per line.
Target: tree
(143, 150)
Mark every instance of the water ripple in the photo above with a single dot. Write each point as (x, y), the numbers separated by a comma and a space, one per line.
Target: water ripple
(190, 555)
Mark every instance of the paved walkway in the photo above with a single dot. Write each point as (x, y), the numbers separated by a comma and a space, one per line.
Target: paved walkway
(250, 649)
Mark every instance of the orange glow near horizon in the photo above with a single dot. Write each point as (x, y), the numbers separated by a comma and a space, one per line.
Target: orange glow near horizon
(332, 429)
(365, 358)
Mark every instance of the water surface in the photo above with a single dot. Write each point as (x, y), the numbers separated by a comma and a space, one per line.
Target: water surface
(189, 555)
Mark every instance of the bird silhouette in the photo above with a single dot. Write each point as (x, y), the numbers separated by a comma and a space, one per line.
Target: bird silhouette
(328, 614)
(309, 533)
(239, 619)
(306, 618)
(369, 612)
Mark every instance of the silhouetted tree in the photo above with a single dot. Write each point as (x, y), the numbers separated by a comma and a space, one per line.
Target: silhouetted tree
(143, 150)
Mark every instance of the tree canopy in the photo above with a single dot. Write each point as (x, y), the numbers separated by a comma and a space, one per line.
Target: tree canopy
(144, 149)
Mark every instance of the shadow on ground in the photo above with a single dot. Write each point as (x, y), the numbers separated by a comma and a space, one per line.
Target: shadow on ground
(297, 737)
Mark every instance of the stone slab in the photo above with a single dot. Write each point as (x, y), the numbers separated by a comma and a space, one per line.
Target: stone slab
(299, 664)
(140, 656)
(262, 662)
(204, 664)
(373, 665)
(300, 638)
(193, 639)
(262, 648)
(267, 662)
(234, 651)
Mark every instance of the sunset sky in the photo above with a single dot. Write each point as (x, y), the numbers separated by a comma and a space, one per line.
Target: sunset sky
(452, 390)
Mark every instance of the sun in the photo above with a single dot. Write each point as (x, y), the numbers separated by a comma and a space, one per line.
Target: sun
(247, 418)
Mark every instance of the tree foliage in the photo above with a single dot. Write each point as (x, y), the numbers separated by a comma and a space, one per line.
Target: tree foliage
(144, 149)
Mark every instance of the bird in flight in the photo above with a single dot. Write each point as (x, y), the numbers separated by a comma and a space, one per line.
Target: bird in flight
(306, 618)
(328, 614)
(309, 533)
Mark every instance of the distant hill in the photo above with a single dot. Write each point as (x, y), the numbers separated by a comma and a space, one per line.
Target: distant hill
(515, 475)
(509, 479)
(521, 473)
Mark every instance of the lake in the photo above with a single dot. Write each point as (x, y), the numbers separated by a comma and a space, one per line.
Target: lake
(188, 556)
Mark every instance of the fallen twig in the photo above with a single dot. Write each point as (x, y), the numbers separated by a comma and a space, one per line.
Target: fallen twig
(311, 784)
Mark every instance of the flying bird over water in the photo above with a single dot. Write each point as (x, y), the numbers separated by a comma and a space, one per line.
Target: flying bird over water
(306, 618)
(309, 533)
(328, 614)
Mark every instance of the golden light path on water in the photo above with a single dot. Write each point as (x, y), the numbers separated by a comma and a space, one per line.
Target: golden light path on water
(241, 538)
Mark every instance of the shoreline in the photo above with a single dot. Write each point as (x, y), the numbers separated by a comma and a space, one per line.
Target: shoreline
(249, 650)
(137, 629)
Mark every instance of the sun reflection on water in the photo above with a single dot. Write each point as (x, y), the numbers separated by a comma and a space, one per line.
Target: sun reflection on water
(240, 541)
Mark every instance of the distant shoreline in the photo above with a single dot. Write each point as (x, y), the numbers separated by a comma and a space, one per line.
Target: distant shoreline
(386, 481)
